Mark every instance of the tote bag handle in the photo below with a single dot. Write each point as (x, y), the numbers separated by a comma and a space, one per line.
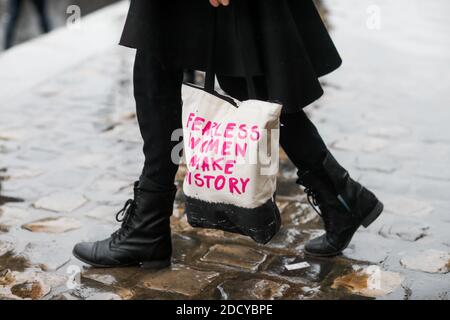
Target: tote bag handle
(210, 68)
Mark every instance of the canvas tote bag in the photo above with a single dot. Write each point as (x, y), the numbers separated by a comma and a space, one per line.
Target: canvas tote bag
(231, 150)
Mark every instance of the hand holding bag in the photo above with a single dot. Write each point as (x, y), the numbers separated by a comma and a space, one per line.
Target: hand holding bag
(231, 149)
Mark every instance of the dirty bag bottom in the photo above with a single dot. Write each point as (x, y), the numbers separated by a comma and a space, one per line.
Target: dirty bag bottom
(261, 223)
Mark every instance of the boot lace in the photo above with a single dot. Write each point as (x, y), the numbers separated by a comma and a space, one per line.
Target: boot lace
(315, 204)
(311, 196)
(124, 216)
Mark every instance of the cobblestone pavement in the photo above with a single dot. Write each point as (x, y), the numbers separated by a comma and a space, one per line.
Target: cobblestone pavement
(70, 151)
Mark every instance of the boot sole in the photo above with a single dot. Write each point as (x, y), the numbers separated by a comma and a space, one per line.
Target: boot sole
(155, 265)
(149, 265)
(371, 217)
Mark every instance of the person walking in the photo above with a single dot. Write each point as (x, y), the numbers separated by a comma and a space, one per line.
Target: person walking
(14, 10)
(289, 49)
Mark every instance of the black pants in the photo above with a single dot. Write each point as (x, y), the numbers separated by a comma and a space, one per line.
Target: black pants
(157, 91)
(14, 9)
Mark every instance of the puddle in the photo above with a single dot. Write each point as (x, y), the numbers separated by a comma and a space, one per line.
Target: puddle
(369, 282)
(12, 261)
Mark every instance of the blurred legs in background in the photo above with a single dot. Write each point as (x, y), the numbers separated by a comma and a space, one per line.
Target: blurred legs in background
(41, 8)
(14, 9)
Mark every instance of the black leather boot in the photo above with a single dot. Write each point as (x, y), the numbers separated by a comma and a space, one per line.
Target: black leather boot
(143, 239)
(344, 206)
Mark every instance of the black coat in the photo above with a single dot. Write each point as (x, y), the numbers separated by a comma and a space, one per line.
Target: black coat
(284, 44)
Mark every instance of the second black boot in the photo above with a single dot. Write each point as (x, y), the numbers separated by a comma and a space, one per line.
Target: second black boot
(345, 205)
(143, 239)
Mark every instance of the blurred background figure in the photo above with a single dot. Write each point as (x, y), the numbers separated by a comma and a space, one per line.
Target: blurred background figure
(14, 9)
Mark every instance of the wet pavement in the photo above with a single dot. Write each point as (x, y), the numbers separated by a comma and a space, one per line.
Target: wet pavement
(70, 151)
